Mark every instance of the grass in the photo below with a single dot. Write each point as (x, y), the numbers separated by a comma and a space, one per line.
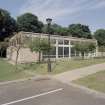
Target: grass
(94, 81)
(62, 66)
(8, 72)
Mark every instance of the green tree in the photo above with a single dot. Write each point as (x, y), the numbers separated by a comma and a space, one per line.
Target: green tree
(100, 37)
(85, 48)
(40, 46)
(56, 30)
(79, 30)
(7, 24)
(29, 23)
(63, 31)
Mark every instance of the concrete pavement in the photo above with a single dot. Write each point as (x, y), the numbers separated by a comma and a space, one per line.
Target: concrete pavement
(79, 73)
(46, 92)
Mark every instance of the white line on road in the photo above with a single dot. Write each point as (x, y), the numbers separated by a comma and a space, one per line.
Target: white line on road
(38, 95)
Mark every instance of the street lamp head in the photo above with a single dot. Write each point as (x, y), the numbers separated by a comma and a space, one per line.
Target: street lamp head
(48, 20)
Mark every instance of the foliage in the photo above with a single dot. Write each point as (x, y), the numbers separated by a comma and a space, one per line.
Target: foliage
(81, 47)
(100, 37)
(60, 30)
(91, 47)
(79, 30)
(56, 30)
(29, 23)
(85, 47)
(7, 24)
(40, 46)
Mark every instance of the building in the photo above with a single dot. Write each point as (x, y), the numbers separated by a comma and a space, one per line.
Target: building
(63, 47)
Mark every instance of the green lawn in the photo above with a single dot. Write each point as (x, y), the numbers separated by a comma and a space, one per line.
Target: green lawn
(95, 81)
(62, 66)
(8, 72)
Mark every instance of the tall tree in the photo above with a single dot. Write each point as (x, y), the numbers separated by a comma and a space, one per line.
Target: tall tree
(79, 30)
(29, 22)
(100, 37)
(7, 24)
(56, 30)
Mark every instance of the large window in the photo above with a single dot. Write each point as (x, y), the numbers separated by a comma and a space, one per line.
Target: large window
(60, 52)
(66, 51)
(72, 51)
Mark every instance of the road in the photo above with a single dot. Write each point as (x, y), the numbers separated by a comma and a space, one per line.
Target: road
(45, 92)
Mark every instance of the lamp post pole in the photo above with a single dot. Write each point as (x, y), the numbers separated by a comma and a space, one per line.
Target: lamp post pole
(48, 20)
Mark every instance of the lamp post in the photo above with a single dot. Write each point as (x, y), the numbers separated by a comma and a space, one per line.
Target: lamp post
(48, 20)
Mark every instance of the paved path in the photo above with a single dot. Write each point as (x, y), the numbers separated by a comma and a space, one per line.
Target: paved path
(46, 92)
(79, 73)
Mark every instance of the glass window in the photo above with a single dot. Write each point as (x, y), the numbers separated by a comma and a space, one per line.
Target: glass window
(66, 52)
(60, 51)
(72, 51)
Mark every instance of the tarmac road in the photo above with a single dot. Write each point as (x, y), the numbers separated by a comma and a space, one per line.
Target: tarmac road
(45, 92)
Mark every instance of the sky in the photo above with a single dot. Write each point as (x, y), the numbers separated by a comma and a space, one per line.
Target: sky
(63, 12)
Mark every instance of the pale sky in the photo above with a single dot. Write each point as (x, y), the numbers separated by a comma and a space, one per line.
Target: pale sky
(63, 12)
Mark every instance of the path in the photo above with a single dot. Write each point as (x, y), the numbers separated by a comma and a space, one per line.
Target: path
(46, 92)
(79, 73)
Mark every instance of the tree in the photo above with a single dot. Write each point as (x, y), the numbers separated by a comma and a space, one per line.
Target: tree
(29, 23)
(40, 46)
(79, 30)
(85, 48)
(17, 46)
(100, 37)
(7, 24)
(56, 29)
(63, 31)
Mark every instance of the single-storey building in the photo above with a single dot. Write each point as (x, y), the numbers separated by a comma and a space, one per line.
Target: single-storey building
(63, 47)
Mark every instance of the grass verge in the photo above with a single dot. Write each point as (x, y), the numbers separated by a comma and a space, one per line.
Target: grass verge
(8, 72)
(95, 81)
(61, 66)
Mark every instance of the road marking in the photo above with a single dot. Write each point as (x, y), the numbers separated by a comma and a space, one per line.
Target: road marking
(38, 95)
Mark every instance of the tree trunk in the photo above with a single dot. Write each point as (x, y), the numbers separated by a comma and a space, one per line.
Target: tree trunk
(17, 55)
